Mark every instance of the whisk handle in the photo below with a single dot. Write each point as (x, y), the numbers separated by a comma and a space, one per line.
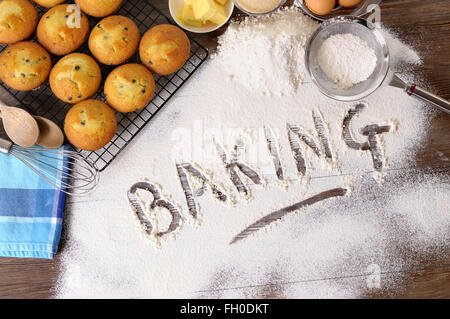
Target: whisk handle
(5, 146)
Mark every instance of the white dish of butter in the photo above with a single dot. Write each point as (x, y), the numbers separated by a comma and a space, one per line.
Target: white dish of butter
(258, 7)
(176, 11)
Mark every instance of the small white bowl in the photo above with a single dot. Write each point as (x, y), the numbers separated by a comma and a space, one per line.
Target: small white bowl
(175, 7)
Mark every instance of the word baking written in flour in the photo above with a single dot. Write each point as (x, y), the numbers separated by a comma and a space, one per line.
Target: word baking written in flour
(195, 183)
(227, 308)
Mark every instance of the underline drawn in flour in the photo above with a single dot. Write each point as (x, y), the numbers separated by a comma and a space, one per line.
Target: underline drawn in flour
(234, 164)
(144, 214)
(185, 167)
(269, 219)
(371, 132)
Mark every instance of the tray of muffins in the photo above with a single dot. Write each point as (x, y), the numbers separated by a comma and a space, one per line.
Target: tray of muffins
(101, 69)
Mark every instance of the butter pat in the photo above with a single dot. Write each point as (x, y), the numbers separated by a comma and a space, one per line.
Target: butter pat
(187, 16)
(220, 16)
(200, 12)
(203, 9)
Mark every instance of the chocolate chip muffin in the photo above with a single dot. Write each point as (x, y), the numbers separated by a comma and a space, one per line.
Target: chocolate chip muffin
(24, 66)
(58, 31)
(164, 49)
(114, 40)
(48, 3)
(18, 20)
(129, 87)
(99, 8)
(76, 77)
(90, 125)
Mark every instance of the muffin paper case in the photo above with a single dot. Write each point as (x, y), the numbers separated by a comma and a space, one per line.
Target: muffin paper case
(31, 212)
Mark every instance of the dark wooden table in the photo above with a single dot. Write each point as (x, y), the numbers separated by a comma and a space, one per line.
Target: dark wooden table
(426, 25)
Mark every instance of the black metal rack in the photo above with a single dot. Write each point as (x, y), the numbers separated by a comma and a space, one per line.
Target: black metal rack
(43, 102)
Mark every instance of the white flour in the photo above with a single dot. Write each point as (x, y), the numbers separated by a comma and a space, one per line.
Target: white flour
(277, 43)
(346, 59)
(349, 237)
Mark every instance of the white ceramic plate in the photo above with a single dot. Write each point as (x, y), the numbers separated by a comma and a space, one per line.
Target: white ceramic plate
(175, 7)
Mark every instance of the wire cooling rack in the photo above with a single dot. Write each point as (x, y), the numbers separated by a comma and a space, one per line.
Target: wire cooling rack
(42, 102)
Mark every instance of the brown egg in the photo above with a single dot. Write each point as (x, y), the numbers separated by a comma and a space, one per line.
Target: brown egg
(349, 3)
(320, 7)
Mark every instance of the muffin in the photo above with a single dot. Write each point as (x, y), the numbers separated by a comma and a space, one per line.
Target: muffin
(24, 66)
(48, 3)
(114, 40)
(75, 78)
(18, 19)
(56, 33)
(90, 125)
(99, 8)
(129, 87)
(164, 49)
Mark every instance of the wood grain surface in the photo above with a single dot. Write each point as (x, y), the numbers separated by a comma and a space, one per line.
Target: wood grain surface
(423, 24)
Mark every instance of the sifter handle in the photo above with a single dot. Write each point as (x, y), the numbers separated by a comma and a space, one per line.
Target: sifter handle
(424, 95)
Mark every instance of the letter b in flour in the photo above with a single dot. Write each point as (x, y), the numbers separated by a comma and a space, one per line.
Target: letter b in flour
(143, 215)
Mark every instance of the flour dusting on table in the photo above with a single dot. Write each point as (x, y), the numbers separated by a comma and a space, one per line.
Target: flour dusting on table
(277, 42)
(291, 143)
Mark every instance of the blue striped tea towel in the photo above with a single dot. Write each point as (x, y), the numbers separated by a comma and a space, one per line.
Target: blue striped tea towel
(31, 212)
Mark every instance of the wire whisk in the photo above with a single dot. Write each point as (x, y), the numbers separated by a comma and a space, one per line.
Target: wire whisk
(66, 171)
